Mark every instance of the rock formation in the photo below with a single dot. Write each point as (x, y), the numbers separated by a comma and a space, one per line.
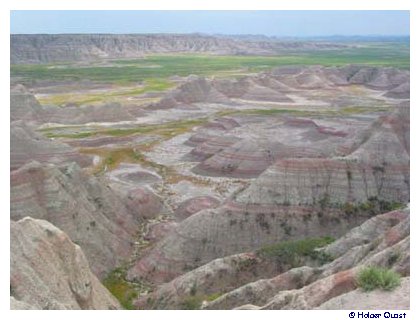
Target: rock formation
(249, 279)
(82, 206)
(381, 241)
(398, 299)
(49, 271)
(82, 47)
(193, 187)
(27, 145)
(23, 105)
(294, 196)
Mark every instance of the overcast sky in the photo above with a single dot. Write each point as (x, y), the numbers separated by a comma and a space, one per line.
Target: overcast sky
(271, 23)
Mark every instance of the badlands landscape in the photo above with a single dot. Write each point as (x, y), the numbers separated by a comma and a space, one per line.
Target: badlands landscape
(208, 172)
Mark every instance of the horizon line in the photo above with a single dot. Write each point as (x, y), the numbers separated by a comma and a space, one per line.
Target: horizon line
(219, 34)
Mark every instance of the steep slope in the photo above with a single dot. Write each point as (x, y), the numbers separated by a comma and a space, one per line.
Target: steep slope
(397, 299)
(82, 206)
(24, 106)
(49, 271)
(381, 241)
(293, 198)
(256, 278)
(27, 145)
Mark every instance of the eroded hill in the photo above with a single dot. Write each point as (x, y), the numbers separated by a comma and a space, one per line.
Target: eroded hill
(81, 47)
(268, 190)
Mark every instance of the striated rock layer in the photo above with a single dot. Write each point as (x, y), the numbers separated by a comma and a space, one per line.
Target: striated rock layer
(293, 198)
(27, 145)
(382, 241)
(278, 84)
(397, 299)
(82, 206)
(24, 106)
(42, 48)
(235, 228)
(49, 271)
(250, 280)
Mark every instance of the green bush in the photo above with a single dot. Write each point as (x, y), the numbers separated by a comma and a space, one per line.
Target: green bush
(292, 252)
(371, 278)
(191, 303)
(120, 289)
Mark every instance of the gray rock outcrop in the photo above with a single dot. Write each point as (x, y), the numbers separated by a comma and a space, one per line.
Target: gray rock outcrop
(45, 48)
(49, 271)
(27, 145)
(82, 206)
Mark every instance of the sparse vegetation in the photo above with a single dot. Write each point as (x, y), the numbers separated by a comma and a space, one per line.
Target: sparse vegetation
(371, 278)
(117, 93)
(113, 157)
(246, 264)
(294, 252)
(214, 296)
(193, 290)
(191, 303)
(305, 113)
(287, 229)
(393, 258)
(122, 290)
(324, 201)
(165, 130)
(194, 301)
(372, 206)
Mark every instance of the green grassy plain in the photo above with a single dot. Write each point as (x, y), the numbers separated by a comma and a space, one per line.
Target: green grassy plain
(133, 77)
(154, 67)
(116, 94)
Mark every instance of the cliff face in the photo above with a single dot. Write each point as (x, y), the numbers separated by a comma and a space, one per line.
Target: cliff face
(49, 271)
(91, 213)
(81, 206)
(79, 47)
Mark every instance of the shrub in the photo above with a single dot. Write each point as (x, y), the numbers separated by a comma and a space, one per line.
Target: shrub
(214, 296)
(191, 303)
(120, 289)
(193, 289)
(371, 278)
(292, 252)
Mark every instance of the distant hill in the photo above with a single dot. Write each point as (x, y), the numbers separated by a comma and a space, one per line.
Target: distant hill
(46, 48)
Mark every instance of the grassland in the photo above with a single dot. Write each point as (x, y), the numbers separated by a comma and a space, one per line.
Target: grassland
(154, 67)
(318, 112)
(133, 77)
(165, 130)
(116, 94)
